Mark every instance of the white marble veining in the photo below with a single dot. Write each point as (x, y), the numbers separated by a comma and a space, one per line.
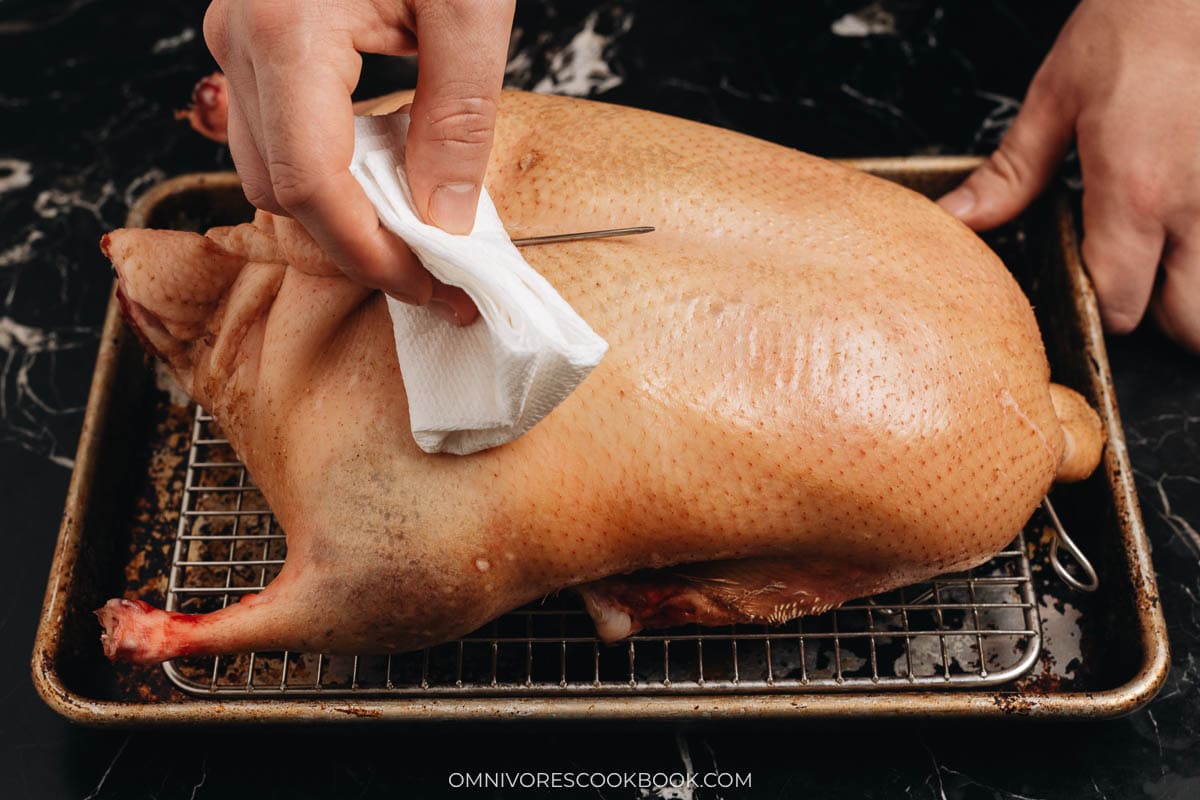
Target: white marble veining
(168, 44)
(15, 174)
(22, 251)
(871, 20)
(580, 68)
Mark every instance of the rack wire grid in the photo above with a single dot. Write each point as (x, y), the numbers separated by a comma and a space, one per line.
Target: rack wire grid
(972, 629)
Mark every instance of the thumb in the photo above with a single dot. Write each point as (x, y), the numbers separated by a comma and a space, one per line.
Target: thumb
(462, 47)
(1001, 188)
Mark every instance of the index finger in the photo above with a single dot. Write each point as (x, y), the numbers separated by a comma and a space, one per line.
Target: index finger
(308, 126)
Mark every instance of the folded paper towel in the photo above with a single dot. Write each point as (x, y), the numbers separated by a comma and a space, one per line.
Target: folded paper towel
(483, 385)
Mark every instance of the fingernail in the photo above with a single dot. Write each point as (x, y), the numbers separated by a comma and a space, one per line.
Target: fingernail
(444, 310)
(452, 207)
(959, 202)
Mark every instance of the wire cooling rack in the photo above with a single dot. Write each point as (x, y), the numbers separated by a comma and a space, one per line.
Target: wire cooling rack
(972, 629)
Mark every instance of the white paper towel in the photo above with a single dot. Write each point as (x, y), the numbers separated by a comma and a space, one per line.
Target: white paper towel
(483, 385)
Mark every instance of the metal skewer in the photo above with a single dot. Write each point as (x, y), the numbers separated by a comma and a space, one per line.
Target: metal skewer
(574, 237)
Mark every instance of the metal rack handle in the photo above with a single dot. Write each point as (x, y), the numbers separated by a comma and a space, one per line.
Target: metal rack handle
(1092, 581)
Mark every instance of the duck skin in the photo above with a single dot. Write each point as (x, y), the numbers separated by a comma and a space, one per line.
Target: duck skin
(820, 386)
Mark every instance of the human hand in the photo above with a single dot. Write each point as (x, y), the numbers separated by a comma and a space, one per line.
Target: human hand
(1123, 80)
(291, 66)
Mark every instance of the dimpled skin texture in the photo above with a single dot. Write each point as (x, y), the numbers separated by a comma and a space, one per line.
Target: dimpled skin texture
(813, 373)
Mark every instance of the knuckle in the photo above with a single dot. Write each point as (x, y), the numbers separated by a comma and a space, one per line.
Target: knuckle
(1048, 89)
(401, 275)
(265, 19)
(259, 194)
(247, 23)
(1143, 193)
(367, 274)
(1008, 166)
(401, 281)
(439, 9)
(292, 185)
(1119, 167)
(465, 121)
(216, 30)
(463, 11)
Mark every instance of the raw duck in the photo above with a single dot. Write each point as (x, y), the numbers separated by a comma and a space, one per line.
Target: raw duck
(820, 386)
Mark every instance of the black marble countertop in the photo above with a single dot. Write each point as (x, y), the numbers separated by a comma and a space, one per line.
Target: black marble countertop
(86, 93)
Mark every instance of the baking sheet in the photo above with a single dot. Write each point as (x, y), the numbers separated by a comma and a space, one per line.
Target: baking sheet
(1109, 658)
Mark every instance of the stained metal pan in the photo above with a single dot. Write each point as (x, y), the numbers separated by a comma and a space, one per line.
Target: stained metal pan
(123, 507)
